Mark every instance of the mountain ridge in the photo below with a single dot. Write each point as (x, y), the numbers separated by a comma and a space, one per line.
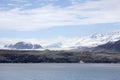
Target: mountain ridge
(23, 45)
(109, 47)
(85, 41)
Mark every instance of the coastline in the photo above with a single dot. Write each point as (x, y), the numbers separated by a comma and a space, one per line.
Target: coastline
(47, 56)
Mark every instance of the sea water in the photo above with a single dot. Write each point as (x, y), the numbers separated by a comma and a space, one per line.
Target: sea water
(59, 71)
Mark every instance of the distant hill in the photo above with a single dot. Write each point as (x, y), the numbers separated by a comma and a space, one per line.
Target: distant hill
(23, 45)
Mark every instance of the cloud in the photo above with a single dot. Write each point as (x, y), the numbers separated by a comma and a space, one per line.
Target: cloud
(87, 13)
(19, 1)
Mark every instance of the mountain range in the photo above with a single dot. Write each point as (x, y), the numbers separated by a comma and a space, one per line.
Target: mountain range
(96, 40)
(87, 41)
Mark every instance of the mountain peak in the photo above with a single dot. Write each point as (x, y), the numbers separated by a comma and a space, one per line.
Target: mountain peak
(23, 45)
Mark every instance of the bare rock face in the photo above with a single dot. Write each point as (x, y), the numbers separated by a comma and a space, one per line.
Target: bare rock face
(37, 46)
(23, 45)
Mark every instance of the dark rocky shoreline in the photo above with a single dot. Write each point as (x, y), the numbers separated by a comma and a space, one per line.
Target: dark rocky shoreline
(47, 56)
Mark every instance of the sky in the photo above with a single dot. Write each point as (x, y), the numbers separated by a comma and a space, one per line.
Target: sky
(46, 19)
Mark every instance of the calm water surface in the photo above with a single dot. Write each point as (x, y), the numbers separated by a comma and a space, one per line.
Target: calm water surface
(59, 71)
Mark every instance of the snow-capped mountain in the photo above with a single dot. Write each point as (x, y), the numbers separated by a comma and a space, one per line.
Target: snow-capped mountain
(88, 41)
(108, 47)
(68, 43)
(23, 45)
(97, 39)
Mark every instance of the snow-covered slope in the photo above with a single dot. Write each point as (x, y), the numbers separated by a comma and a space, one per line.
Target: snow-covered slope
(97, 39)
(88, 41)
(68, 43)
